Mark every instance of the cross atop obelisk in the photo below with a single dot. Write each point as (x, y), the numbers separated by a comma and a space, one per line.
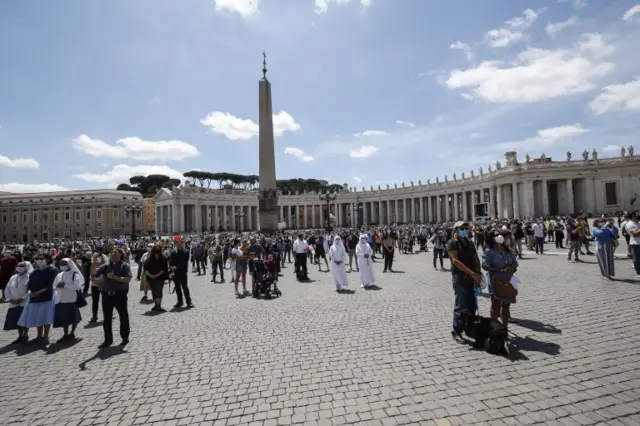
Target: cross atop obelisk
(267, 196)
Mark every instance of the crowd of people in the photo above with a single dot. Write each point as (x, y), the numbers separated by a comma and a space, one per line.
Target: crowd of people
(47, 284)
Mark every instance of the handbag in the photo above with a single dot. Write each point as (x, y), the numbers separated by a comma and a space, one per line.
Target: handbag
(81, 301)
(504, 288)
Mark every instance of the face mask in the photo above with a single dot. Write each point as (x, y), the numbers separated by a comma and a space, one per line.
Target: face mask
(499, 239)
(21, 269)
(64, 267)
(41, 263)
(462, 233)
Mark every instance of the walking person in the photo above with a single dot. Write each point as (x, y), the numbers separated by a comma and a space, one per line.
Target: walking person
(438, 240)
(115, 277)
(179, 265)
(364, 253)
(97, 260)
(338, 267)
(156, 272)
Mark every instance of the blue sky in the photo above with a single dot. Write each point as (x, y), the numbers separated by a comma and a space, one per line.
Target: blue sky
(365, 92)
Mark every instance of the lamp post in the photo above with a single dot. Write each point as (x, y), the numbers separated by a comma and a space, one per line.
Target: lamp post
(238, 214)
(134, 210)
(328, 197)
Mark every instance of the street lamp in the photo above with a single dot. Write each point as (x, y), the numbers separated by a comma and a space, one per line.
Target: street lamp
(134, 210)
(328, 197)
(238, 214)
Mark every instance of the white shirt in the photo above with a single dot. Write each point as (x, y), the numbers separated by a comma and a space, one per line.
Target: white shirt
(72, 283)
(300, 246)
(632, 226)
(17, 289)
(538, 230)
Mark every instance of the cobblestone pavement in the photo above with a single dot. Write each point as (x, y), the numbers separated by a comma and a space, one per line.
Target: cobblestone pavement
(375, 357)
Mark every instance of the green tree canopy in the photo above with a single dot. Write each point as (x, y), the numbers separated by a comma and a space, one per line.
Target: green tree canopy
(148, 185)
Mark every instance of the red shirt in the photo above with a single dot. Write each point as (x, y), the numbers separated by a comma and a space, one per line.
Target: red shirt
(271, 266)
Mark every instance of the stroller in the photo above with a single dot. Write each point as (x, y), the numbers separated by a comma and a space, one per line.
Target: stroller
(264, 284)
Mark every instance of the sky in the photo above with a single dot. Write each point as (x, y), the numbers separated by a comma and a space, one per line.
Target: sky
(365, 92)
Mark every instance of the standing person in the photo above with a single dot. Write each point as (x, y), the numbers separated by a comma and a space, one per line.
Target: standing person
(155, 272)
(97, 260)
(388, 249)
(352, 243)
(500, 263)
(320, 253)
(465, 273)
(300, 248)
(573, 239)
(538, 236)
(605, 233)
(17, 291)
(338, 267)
(144, 282)
(66, 313)
(38, 311)
(216, 258)
(115, 277)
(364, 253)
(199, 255)
(179, 265)
(240, 257)
(633, 229)
(438, 240)
(7, 268)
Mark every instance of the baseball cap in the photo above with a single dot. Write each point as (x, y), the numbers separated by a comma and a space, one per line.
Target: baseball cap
(460, 223)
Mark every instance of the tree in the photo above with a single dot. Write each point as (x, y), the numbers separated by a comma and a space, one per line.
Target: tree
(147, 185)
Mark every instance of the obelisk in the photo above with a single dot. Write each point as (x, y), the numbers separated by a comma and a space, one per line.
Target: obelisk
(267, 194)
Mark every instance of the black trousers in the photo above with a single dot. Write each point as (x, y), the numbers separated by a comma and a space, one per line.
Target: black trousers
(437, 253)
(215, 264)
(301, 263)
(95, 301)
(180, 281)
(200, 264)
(117, 301)
(388, 260)
(139, 271)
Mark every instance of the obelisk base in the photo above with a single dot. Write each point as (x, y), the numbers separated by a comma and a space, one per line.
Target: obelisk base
(268, 210)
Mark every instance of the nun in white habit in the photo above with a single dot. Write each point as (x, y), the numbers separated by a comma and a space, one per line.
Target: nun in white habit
(338, 266)
(67, 284)
(363, 253)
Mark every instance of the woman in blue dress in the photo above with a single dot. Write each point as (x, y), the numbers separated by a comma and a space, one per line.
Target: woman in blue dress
(500, 263)
(16, 293)
(38, 311)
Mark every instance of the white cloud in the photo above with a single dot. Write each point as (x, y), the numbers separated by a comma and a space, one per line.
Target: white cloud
(135, 148)
(370, 133)
(357, 179)
(23, 188)
(617, 97)
(18, 163)
(611, 148)
(122, 172)
(298, 153)
(580, 4)
(538, 74)
(405, 123)
(245, 8)
(545, 137)
(364, 151)
(323, 5)
(513, 31)
(554, 28)
(458, 45)
(631, 13)
(238, 129)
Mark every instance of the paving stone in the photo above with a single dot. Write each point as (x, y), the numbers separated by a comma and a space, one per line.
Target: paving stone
(375, 357)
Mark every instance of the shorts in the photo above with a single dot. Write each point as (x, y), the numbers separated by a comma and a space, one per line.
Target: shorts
(241, 268)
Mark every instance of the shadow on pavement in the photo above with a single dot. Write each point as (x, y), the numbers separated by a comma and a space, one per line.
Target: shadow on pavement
(56, 347)
(103, 354)
(534, 325)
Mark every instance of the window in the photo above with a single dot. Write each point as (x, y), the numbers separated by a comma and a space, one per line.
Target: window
(15, 218)
(45, 217)
(88, 215)
(56, 225)
(56, 217)
(99, 224)
(4, 218)
(127, 224)
(115, 214)
(611, 193)
(24, 218)
(35, 217)
(126, 214)
(99, 214)
(67, 216)
(78, 225)
(77, 215)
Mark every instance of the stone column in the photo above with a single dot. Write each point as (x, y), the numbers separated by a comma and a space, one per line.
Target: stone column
(545, 197)
(456, 207)
(516, 200)
(570, 201)
(499, 196)
(465, 206)
(447, 207)
(529, 200)
(250, 217)
(492, 203)
(365, 213)
(421, 209)
(198, 216)
(175, 220)
(396, 216)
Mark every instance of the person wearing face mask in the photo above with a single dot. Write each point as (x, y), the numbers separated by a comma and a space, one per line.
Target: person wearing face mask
(338, 267)
(17, 293)
(66, 314)
(156, 271)
(500, 262)
(39, 310)
(465, 271)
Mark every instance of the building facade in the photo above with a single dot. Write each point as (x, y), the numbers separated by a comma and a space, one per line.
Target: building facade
(149, 216)
(68, 214)
(535, 187)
